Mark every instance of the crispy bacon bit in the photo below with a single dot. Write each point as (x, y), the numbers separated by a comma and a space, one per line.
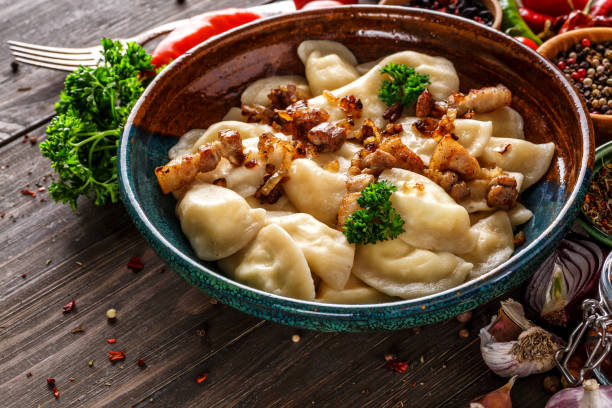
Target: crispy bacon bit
(348, 205)
(451, 183)
(394, 112)
(327, 137)
(333, 166)
(424, 104)
(502, 192)
(519, 239)
(404, 157)
(135, 264)
(284, 96)
(68, 307)
(481, 100)
(425, 127)
(450, 155)
(257, 113)
(250, 164)
(356, 183)
(298, 119)
(116, 355)
(182, 171)
(351, 106)
(376, 162)
(221, 182)
(503, 149)
(231, 146)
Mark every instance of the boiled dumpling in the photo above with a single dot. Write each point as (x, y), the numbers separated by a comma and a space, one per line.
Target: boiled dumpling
(398, 269)
(272, 263)
(185, 143)
(246, 130)
(495, 243)
(354, 293)
(442, 75)
(281, 205)
(327, 251)
(506, 122)
(257, 92)
(217, 221)
(329, 65)
(315, 191)
(533, 160)
(234, 114)
(433, 220)
(519, 215)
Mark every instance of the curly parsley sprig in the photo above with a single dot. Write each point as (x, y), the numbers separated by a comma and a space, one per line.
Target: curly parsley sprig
(377, 220)
(406, 85)
(83, 138)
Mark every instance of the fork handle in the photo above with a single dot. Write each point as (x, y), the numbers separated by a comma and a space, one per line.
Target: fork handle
(155, 32)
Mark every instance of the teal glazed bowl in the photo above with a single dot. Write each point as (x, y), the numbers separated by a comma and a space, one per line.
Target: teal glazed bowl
(198, 88)
(603, 155)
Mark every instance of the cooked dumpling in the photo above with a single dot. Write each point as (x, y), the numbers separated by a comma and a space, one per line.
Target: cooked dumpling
(185, 143)
(433, 220)
(234, 114)
(354, 293)
(272, 263)
(495, 243)
(329, 65)
(533, 160)
(315, 191)
(282, 205)
(506, 122)
(398, 269)
(519, 215)
(442, 75)
(246, 130)
(257, 92)
(327, 251)
(217, 221)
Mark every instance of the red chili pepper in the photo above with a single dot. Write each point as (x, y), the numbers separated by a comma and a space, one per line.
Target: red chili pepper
(116, 355)
(576, 19)
(397, 366)
(536, 21)
(111, 341)
(601, 21)
(68, 308)
(554, 7)
(601, 8)
(528, 42)
(199, 29)
(135, 264)
(202, 378)
(317, 4)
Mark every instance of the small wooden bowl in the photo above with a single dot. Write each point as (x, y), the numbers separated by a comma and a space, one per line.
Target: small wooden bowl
(551, 48)
(492, 5)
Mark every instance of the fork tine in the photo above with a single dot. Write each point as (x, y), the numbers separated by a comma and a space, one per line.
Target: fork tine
(53, 49)
(58, 67)
(57, 61)
(72, 57)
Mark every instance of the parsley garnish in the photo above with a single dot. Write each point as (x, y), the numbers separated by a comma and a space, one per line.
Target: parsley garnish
(377, 220)
(83, 137)
(406, 86)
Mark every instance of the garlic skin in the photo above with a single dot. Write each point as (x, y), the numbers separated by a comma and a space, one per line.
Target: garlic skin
(590, 395)
(499, 398)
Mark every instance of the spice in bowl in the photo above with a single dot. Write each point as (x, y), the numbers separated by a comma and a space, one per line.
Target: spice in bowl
(598, 201)
(472, 9)
(587, 66)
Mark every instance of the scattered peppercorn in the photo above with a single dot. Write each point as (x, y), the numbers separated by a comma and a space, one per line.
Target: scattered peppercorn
(23, 275)
(587, 66)
(90, 363)
(464, 333)
(28, 374)
(465, 317)
(295, 338)
(135, 264)
(142, 363)
(111, 314)
(472, 9)
(14, 67)
(597, 203)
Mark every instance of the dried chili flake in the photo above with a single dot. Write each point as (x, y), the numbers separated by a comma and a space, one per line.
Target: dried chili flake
(68, 307)
(135, 264)
(598, 201)
(3, 214)
(397, 366)
(23, 275)
(55, 392)
(142, 362)
(116, 355)
(51, 382)
(27, 191)
(202, 378)
(111, 341)
(71, 379)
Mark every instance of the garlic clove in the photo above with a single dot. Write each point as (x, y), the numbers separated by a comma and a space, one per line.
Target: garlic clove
(500, 398)
(510, 321)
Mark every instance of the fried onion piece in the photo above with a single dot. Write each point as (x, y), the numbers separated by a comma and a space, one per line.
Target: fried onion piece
(231, 146)
(404, 157)
(451, 155)
(297, 119)
(285, 95)
(424, 104)
(481, 100)
(182, 171)
(356, 183)
(348, 205)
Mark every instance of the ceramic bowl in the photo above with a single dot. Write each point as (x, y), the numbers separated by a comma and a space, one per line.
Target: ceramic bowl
(603, 155)
(551, 48)
(198, 88)
(492, 5)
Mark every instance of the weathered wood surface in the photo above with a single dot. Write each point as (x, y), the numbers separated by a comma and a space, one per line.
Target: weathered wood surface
(176, 328)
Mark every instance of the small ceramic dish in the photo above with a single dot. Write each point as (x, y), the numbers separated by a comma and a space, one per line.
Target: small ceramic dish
(603, 155)
(492, 5)
(198, 88)
(563, 42)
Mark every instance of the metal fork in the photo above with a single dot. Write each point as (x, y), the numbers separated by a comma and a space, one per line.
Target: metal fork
(69, 59)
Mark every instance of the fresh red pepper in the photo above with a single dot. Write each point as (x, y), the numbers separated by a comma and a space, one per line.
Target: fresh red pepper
(528, 42)
(601, 8)
(199, 29)
(554, 7)
(536, 21)
(308, 4)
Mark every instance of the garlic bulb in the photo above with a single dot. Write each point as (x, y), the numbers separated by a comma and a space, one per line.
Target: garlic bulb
(590, 395)
(512, 345)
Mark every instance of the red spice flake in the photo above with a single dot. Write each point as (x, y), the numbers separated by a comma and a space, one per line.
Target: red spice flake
(71, 379)
(23, 275)
(2, 214)
(68, 308)
(25, 139)
(55, 392)
(202, 378)
(27, 191)
(111, 341)
(397, 366)
(51, 382)
(135, 264)
(142, 362)
(116, 355)
(41, 189)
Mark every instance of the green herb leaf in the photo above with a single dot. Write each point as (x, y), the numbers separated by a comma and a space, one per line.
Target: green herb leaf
(83, 138)
(377, 220)
(406, 85)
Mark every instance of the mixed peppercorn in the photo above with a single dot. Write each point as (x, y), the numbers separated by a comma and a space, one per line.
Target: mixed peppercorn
(598, 202)
(472, 9)
(588, 67)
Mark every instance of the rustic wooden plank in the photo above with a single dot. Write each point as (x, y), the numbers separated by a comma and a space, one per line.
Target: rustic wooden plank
(29, 94)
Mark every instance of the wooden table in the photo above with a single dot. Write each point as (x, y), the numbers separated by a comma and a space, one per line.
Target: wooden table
(50, 255)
